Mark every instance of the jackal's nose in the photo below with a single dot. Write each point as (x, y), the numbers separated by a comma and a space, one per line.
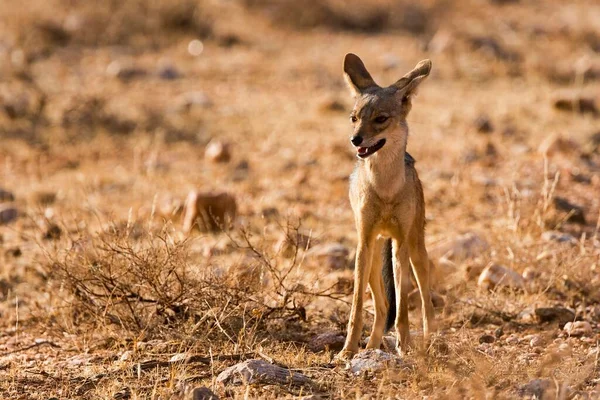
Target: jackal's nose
(356, 140)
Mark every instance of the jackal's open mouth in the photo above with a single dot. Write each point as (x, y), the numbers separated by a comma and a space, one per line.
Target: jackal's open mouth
(364, 152)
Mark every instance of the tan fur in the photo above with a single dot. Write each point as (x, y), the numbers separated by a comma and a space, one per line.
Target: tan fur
(387, 200)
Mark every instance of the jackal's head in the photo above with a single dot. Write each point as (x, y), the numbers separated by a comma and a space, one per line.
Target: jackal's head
(379, 114)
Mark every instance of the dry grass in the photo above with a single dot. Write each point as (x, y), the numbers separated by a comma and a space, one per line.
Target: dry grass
(103, 296)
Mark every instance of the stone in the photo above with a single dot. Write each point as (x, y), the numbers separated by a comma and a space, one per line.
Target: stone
(496, 275)
(561, 315)
(512, 339)
(260, 372)
(560, 237)
(530, 274)
(536, 389)
(556, 144)
(209, 211)
(328, 341)
(483, 124)
(414, 300)
(578, 328)
(468, 245)
(8, 214)
(330, 255)
(373, 360)
(288, 243)
(218, 151)
(168, 72)
(536, 341)
(5, 195)
(576, 103)
(203, 393)
(574, 212)
(124, 71)
(191, 100)
(52, 232)
(487, 338)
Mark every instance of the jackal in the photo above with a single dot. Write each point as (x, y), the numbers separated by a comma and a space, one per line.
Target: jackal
(388, 204)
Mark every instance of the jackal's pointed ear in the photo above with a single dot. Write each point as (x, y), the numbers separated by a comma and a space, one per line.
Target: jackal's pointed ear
(408, 84)
(356, 74)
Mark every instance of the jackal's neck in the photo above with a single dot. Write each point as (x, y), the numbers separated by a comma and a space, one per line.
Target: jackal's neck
(385, 170)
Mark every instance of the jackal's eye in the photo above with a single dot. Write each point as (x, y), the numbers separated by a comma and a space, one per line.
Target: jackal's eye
(381, 119)
(353, 118)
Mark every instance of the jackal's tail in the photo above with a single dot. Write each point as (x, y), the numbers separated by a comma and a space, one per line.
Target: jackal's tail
(388, 282)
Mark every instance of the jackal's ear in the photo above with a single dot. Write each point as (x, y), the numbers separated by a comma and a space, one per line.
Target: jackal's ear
(356, 74)
(408, 84)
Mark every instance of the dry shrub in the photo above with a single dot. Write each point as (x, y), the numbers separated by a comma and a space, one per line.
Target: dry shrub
(359, 16)
(146, 284)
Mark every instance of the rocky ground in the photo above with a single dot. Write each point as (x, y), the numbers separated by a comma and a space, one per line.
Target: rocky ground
(112, 115)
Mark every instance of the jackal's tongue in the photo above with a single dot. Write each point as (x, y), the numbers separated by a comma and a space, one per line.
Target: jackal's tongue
(362, 150)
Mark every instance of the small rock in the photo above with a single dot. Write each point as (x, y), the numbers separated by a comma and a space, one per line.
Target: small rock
(530, 274)
(560, 237)
(577, 104)
(330, 255)
(483, 124)
(5, 195)
(512, 339)
(218, 152)
(536, 341)
(124, 71)
(191, 100)
(52, 232)
(126, 356)
(487, 339)
(269, 213)
(260, 372)
(7, 214)
(290, 242)
(209, 211)
(44, 198)
(460, 248)
(498, 333)
(372, 360)
(168, 72)
(332, 341)
(555, 144)
(13, 252)
(414, 300)
(496, 275)
(240, 171)
(559, 314)
(203, 393)
(575, 212)
(578, 328)
(536, 388)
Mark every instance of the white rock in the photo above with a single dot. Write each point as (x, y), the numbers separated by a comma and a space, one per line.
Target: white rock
(556, 236)
(260, 372)
(496, 275)
(330, 255)
(218, 151)
(462, 247)
(578, 328)
(372, 360)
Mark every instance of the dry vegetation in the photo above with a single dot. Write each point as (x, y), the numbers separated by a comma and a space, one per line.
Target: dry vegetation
(105, 115)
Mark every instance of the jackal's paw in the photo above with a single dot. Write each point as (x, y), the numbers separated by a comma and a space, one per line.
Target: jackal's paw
(344, 356)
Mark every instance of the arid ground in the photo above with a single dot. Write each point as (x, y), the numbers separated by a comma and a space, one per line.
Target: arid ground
(107, 110)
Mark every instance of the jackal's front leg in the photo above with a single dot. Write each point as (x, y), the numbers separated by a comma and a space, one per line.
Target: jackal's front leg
(362, 268)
